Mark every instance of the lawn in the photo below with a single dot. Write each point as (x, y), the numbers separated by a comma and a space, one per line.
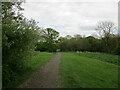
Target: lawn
(83, 72)
(37, 61)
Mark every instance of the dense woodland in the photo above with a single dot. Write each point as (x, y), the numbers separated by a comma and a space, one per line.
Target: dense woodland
(20, 37)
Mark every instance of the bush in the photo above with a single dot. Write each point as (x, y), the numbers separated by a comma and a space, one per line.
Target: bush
(19, 37)
(8, 75)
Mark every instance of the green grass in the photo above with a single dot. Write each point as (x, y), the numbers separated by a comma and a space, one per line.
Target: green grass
(83, 72)
(37, 61)
(101, 56)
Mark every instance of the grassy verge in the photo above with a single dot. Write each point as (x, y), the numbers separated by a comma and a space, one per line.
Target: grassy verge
(101, 56)
(83, 72)
(37, 61)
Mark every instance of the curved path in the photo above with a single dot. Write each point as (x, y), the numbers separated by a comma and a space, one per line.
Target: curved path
(47, 76)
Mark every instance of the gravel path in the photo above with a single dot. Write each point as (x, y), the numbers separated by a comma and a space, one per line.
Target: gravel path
(45, 77)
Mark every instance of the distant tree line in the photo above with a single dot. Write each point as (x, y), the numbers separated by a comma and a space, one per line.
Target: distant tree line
(90, 44)
(107, 41)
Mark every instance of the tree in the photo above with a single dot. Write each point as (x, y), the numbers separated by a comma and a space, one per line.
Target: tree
(95, 44)
(49, 37)
(68, 36)
(19, 36)
(63, 45)
(105, 29)
(77, 36)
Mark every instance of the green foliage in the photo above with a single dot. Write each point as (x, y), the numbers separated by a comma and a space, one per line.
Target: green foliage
(48, 40)
(9, 75)
(106, 30)
(78, 43)
(19, 36)
(82, 72)
(91, 44)
(117, 50)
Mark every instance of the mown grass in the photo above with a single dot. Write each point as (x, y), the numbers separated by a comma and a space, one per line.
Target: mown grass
(83, 72)
(101, 56)
(37, 61)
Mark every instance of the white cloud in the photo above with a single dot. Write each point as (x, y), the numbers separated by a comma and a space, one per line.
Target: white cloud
(72, 0)
(71, 16)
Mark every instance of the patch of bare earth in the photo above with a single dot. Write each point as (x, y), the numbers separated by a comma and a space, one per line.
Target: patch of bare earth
(45, 77)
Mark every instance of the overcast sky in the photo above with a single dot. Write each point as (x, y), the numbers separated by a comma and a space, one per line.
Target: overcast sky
(71, 17)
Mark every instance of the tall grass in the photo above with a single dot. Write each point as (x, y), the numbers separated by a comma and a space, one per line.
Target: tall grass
(101, 56)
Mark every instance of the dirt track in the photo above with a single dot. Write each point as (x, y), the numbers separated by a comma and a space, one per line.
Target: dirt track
(45, 77)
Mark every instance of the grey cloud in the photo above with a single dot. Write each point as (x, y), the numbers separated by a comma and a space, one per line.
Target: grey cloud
(87, 27)
(71, 18)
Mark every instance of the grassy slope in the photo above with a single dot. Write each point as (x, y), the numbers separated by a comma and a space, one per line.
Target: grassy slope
(38, 60)
(101, 56)
(83, 72)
